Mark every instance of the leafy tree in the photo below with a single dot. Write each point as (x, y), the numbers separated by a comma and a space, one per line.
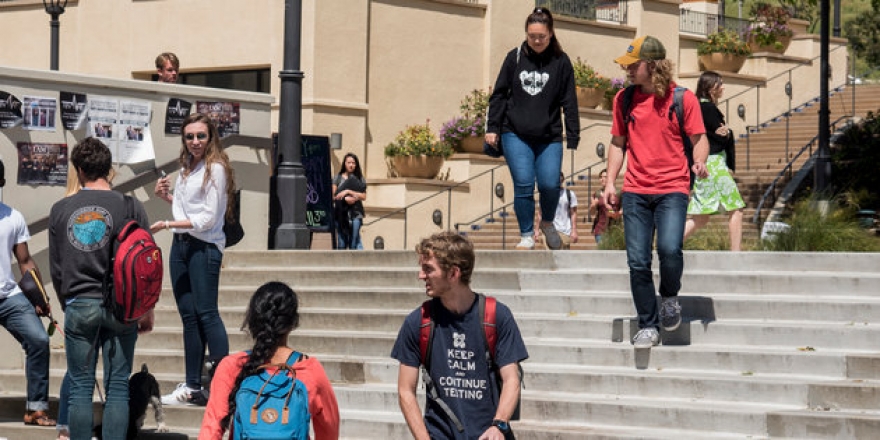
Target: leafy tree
(863, 34)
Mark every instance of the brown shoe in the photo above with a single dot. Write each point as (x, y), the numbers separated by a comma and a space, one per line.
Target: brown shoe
(38, 418)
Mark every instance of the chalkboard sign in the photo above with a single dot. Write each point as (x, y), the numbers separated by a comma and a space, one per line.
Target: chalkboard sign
(319, 197)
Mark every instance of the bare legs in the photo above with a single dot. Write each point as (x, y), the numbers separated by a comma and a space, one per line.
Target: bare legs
(734, 226)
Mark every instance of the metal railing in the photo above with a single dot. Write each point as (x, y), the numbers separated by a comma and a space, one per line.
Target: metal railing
(448, 192)
(760, 122)
(599, 10)
(702, 23)
(503, 213)
(771, 190)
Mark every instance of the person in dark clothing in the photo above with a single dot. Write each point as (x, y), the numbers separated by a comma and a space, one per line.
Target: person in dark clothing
(81, 231)
(719, 189)
(535, 83)
(349, 192)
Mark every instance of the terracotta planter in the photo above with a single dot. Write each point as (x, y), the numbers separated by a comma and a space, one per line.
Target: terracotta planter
(425, 167)
(772, 48)
(472, 144)
(589, 97)
(722, 62)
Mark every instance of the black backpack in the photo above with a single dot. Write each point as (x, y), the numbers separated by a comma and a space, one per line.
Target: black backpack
(677, 107)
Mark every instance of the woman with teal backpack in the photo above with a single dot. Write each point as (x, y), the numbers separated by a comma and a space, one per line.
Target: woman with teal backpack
(297, 380)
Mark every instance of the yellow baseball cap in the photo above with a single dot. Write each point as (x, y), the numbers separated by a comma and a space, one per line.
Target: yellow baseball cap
(645, 48)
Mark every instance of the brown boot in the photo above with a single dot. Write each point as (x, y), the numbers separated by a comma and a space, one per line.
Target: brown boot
(38, 418)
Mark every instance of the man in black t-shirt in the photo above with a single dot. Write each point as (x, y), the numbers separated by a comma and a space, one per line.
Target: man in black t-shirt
(459, 372)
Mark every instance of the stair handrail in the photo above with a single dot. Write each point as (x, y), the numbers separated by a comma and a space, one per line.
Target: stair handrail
(447, 190)
(788, 166)
(504, 207)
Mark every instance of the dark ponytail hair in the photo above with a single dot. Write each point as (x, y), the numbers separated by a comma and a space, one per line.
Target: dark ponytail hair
(271, 315)
(543, 16)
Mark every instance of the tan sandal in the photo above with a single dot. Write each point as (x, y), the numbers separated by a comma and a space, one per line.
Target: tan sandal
(38, 418)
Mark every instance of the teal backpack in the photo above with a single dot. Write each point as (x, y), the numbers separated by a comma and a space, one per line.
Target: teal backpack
(272, 406)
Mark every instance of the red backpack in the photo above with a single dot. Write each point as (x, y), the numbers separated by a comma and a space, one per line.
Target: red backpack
(136, 275)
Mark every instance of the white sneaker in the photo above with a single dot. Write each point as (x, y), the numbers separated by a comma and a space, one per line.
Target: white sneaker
(646, 338)
(180, 396)
(526, 243)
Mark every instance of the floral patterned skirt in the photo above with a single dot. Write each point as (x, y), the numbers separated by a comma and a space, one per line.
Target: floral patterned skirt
(717, 189)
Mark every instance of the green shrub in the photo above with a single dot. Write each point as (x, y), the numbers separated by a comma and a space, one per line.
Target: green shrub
(613, 239)
(811, 231)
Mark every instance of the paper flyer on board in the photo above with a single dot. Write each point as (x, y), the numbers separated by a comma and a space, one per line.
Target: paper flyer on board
(124, 125)
(38, 113)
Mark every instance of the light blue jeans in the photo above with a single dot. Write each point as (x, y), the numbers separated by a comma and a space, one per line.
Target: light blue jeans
(18, 316)
(85, 322)
(642, 215)
(530, 163)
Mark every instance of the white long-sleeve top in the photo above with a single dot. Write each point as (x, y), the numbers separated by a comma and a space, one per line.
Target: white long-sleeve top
(202, 203)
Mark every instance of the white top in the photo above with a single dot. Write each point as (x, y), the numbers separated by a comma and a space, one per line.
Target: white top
(202, 203)
(562, 219)
(13, 230)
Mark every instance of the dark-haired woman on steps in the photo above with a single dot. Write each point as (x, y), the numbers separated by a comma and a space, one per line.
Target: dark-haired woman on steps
(270, 317)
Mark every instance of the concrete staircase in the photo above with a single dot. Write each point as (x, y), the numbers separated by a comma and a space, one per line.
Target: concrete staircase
(761, 155)
(773, 345)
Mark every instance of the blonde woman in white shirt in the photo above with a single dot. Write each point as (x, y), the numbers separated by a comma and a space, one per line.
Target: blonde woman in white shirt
(200, 207)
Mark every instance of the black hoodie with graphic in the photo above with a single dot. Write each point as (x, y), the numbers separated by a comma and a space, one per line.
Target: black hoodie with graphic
(530, 91)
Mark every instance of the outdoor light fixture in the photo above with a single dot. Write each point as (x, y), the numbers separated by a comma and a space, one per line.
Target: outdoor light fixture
(499, 190)
(741, 111)
(54, 8)
(378, 243)
(600, 150)
(437, 217)
(788, 89)
(335, 141)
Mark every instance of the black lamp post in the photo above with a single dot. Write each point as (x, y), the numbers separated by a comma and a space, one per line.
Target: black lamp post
(54, 8)
(287, 209)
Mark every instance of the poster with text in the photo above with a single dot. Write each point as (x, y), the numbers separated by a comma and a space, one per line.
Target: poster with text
(39, 113)
(123, 125)
(42, 164)
(10, 110)
(135, 143)
(73, 110)
(224, 114)
(176, 112)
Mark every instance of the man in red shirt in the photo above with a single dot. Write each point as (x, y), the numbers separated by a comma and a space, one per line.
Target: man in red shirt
(657, 181)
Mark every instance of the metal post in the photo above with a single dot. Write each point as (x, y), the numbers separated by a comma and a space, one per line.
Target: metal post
(836, 18)
(288, 185)
(54, 8)
(823, 160)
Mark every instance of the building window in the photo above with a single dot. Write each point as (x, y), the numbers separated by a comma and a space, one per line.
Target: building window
(255, 80)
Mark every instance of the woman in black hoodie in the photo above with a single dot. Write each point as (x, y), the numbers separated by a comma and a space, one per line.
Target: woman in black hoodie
(536, 81)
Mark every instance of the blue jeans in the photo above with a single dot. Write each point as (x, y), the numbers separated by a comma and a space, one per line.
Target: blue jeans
(86, 321)
(529, 163)
(18, 316)
(642, 215)
(343, 242)
(195, 279)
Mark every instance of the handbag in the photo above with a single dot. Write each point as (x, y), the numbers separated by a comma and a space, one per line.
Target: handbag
(232, 228)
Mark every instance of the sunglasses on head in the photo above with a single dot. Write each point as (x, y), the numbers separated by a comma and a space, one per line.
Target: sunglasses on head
(199, 136)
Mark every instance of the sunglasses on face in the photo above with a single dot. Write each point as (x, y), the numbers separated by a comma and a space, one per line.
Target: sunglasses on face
(199, 136)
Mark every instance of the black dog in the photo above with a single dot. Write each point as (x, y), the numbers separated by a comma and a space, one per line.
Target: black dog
(143, 390)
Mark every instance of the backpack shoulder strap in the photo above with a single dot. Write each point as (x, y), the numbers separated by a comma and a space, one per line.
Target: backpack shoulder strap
(626, 108)
(487, 306)
(426, 334)
(678, 107)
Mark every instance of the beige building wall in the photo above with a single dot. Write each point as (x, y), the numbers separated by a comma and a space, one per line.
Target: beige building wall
(374, 66)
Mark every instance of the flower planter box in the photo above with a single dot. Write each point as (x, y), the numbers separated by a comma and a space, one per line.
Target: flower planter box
(472, 144)
(589, 97)
(722, 62)
(785, 41)
(424, 167)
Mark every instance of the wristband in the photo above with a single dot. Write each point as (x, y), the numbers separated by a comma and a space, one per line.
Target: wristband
(166, 224)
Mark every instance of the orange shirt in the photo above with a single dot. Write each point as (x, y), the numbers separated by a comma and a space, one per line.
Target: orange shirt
(322, 401)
